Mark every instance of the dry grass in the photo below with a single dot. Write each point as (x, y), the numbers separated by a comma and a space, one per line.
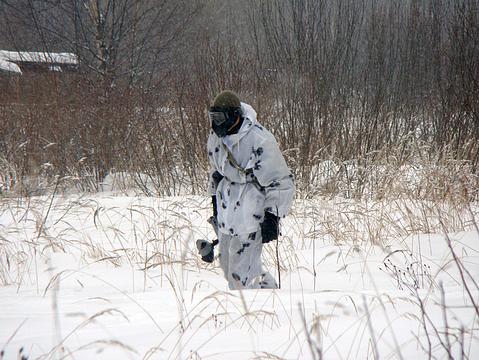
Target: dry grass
(155, 237)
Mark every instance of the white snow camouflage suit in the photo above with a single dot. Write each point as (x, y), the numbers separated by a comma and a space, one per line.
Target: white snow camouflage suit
(242, 197)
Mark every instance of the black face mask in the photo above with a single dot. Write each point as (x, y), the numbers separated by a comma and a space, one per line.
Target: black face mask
(223, 119)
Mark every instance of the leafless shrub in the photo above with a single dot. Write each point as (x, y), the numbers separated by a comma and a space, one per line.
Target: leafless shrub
(354, 84)
(409, 274)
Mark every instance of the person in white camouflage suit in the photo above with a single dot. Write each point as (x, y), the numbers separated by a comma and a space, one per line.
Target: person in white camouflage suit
(251, 188)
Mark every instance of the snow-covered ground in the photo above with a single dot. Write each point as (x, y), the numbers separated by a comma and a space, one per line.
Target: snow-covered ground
(118, 277)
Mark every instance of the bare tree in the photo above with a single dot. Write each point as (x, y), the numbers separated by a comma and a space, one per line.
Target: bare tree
(115, 39)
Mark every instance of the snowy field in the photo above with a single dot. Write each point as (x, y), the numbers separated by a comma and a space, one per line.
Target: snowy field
(118, 277)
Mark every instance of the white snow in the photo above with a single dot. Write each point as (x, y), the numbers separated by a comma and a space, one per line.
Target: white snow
(35, 56)
(118, 277)
(8, 59)
(9, 66)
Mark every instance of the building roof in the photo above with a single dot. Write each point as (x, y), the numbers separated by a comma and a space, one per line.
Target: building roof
(9, 60)
(9, 66)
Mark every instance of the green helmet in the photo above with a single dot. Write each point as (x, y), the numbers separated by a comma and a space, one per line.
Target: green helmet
(227, 100)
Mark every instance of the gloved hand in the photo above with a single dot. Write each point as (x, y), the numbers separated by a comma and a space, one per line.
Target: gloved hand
(269, 227)
(206, 249)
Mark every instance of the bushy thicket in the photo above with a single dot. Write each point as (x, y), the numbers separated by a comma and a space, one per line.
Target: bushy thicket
(353, 90)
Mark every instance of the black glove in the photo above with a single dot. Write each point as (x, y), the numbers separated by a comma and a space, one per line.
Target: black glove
(269, 227)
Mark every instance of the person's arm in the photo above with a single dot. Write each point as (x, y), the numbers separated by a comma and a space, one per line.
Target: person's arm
(272, 173)
(214, 178)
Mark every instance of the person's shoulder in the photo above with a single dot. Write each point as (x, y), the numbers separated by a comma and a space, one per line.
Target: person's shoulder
(261, 133)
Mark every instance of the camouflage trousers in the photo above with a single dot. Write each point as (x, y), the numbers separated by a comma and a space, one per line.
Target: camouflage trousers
(240, 260)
